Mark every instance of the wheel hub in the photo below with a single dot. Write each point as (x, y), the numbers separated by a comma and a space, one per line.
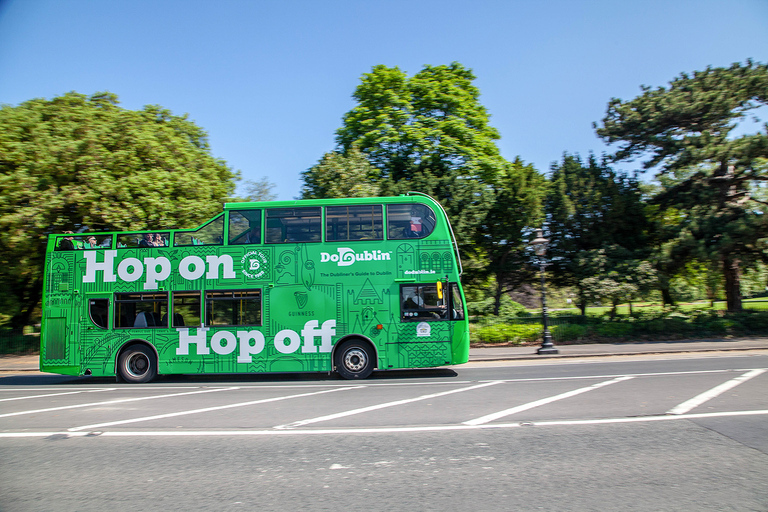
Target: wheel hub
(354, 360)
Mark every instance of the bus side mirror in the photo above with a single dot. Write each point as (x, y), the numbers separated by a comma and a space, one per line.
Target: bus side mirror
(440, 290)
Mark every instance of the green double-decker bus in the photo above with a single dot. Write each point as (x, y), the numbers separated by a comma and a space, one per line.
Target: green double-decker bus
(345, 285)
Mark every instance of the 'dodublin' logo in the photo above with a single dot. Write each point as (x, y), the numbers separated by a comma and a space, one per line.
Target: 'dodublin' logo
(254, 264)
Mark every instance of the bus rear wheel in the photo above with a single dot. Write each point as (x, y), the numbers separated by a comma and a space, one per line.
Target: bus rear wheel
(137, 364)
(354, 360)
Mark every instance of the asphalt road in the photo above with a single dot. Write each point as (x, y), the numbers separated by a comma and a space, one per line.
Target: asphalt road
(682, 432)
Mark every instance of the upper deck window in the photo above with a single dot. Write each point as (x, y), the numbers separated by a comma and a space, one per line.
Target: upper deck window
(344, 223)
(210, 234)
(70, 242)
(245, 227)
(290, 225)
(143, 239)
(409, 221)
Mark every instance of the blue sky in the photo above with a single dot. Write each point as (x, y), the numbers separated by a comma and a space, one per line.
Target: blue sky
(270, 80)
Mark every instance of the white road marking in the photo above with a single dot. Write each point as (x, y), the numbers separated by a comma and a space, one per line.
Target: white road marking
(494, 416)
(609, 376)
(52, 394)
(378, 430)
(111, 402)
(207, 409)
(714, 392)
(381, 406)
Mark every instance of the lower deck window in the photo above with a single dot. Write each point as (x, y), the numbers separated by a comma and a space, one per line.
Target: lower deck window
(186, 309)
(233, 307)
(98, 310)
(141, 310)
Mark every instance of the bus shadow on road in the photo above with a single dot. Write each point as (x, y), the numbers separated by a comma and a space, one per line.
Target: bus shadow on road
(377, 376)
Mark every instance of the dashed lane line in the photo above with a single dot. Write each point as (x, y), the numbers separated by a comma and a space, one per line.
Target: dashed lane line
(696, 401)
(376, 407)
(378, 430)
(208, 409)
(111, 402)
(52, 394)
(507, 412)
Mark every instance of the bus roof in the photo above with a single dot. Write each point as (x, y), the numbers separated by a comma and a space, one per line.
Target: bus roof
(410, 197)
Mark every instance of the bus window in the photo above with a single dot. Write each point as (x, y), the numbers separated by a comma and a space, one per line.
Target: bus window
(70, 242)
(409, 221)
(420, 302)
(344, 223)
(210, 234)
(98, 310)
(290, 225)
(234, 307)
(143, 240)
(457, 306)
(245, 227)
(141, 309)
(186, 309)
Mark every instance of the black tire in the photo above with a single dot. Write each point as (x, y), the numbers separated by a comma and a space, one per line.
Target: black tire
(354, 360)
(137, 364)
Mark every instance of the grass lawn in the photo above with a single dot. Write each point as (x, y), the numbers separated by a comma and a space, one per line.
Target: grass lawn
(760, 303)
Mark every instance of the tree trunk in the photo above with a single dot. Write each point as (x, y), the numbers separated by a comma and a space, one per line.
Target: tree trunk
(28, 305)
(666, 296)
(732, 273)
(498, 292)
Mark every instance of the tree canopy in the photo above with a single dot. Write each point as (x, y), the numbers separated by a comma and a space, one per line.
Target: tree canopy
(519, 192)
(76, 162)
(341, 175)
(713, 174)
(430, 133)
(432, 122)
(595, 220)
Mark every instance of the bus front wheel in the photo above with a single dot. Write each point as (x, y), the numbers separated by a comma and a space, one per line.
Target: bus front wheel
(137, 364)
(354, 360)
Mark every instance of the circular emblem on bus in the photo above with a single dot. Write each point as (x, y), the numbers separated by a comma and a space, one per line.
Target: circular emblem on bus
(254, 264)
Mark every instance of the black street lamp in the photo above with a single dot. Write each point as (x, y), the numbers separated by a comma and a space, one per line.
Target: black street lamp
(540, 247)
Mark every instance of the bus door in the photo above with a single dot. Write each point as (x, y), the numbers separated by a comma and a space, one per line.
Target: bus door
(95, 326)
(424, 330)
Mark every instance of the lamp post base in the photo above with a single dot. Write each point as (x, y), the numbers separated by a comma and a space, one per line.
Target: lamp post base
(547, 347)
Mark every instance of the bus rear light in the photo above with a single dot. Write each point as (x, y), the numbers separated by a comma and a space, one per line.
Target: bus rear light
(379, 327)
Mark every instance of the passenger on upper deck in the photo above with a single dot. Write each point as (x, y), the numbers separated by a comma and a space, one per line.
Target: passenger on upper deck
(253, 236)
(66, 244)
(147, 240)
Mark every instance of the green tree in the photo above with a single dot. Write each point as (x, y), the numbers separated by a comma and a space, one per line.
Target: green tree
(592, 212)
(341, 175)
(519, 193)
(84, 163)
(686, 130)
(430, 133)
(259, 190)
(427, 133)
(613, 275)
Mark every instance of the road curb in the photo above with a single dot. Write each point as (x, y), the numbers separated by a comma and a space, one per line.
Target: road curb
(545, 357)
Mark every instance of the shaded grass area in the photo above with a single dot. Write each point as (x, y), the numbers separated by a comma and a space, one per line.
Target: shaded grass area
(646, 323)
(19, 342)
